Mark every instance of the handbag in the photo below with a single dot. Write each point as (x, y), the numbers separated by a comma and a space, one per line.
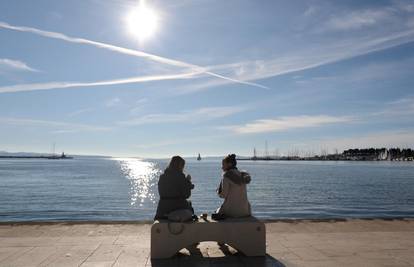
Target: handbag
(182, 215)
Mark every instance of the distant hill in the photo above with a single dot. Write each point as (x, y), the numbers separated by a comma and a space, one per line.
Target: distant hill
(31, 154)
(5, 153)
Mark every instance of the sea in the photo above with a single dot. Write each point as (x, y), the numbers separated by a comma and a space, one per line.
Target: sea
(125, 189)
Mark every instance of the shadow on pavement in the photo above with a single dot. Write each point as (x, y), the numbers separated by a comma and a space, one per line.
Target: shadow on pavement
(215, 255)
(196, 261)
(227, 260)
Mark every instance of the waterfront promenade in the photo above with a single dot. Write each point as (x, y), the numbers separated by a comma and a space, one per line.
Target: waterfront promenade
(297, 243)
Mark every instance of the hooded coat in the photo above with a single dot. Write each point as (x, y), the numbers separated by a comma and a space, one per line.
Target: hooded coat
(233, 189)
(174, 189)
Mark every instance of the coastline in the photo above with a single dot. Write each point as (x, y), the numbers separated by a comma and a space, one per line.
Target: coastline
(266, 221)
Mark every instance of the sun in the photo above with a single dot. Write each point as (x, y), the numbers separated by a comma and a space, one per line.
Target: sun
(142, 21)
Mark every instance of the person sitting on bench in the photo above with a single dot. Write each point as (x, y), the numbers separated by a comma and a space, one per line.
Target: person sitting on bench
(174, 188)
(233, 189)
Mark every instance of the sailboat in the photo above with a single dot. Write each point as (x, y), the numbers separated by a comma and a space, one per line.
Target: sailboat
(199, 157)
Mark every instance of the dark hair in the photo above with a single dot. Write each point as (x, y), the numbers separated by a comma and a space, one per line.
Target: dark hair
(176, 164)
(231, 158)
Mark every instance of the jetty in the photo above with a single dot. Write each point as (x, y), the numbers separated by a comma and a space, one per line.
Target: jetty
(62, 156)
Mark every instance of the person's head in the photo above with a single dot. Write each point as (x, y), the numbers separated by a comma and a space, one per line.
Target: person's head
(229, 162)
(176, 164)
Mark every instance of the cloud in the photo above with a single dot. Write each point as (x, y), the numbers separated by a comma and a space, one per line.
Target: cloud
(286, 123)
(304, 58)
(310, 11)
(398, 108)
(197, 115)
(139, 105)
(357, 19)
(394, 13)
(59, 127)
(389, 27)
(80, 111)
(301, 60)
(407, 6)
(122, 50)
(63, 85)
(113, 102)
(372, 72)
(15, 65)
(397, 138)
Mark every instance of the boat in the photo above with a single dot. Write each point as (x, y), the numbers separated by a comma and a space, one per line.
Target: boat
(199, 157)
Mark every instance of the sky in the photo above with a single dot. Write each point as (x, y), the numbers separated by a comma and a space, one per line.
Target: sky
(211, 77)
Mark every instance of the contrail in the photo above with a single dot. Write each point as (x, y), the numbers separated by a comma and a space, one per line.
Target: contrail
(122, 50)
(234, 80)
(61, 85)
(16, 65)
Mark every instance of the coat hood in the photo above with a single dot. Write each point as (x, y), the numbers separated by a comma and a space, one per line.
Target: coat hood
(237, 177)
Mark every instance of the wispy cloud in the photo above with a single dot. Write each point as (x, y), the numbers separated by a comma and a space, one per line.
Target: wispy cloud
(197, 115)
(286, 123)
(113, 102)
(122, 50)
(15, 65)
(392, 138)
(401, 107)
(79, 112)
(396, 12)
(366, 35)
(378, 71)
(138, 105)
(308, 58)
(63, 85)
(57, 126)
(357, 19)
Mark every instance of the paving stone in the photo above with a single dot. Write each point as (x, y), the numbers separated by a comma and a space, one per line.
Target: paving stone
(299, 243)
(70, 255)
(132, 257)
(105, 253)
(32, 257)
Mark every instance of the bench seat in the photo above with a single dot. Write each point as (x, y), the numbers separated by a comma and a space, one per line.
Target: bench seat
(247, 235)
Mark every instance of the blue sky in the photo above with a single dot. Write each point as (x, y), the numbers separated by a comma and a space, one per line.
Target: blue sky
(215, 77)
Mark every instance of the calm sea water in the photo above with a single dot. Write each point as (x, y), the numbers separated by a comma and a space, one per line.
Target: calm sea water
(89, 188)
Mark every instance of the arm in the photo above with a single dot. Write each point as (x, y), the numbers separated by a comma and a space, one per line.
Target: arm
(224, 188)
(186, 187)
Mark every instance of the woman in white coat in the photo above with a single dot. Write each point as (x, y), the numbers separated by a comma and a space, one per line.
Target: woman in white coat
(233, 189)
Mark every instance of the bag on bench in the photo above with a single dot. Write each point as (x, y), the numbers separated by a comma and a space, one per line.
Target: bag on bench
(182, 215)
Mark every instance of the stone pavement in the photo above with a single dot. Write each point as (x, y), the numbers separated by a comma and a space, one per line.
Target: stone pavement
(296, 243)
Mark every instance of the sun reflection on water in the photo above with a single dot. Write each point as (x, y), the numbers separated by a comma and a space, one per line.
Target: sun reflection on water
(142, 176)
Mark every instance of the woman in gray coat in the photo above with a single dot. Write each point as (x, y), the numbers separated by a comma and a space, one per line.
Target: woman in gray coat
(174, 189)
(233, 189)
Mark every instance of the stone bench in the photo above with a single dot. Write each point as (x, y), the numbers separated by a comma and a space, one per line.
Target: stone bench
(247, 235)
